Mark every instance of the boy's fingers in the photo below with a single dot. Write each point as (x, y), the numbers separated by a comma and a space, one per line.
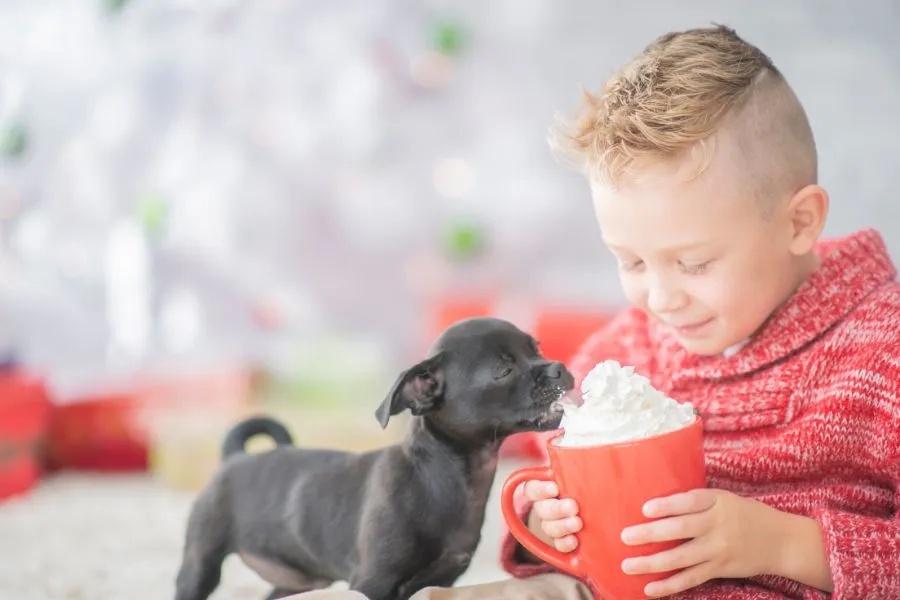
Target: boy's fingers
(553, 509)
(683, 580)
(666, 530)
(566, 544)
(560, 528)
(681, 557)
(680, 504)
(540, 490)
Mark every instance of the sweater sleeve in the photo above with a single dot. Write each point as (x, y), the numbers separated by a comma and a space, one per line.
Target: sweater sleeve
(864, 550)
(623, 339)
(863, 553)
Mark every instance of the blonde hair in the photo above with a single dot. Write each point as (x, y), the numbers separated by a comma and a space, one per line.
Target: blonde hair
(674, 97)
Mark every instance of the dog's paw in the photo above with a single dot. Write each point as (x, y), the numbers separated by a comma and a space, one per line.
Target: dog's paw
(463, 559)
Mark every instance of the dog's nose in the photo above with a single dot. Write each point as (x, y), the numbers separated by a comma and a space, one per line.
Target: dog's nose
(555, 370)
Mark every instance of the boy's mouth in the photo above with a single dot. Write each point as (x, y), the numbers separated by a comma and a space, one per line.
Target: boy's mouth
(691, 328)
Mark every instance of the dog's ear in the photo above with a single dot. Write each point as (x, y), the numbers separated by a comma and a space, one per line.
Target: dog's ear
(418, 389)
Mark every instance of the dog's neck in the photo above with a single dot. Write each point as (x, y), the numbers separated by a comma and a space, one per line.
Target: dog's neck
(424, 437)
(456, 478)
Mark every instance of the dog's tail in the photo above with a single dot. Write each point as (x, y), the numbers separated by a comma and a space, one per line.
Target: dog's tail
(243, 431)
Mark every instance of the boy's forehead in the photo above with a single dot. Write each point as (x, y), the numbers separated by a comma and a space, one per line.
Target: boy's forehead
(663, 208)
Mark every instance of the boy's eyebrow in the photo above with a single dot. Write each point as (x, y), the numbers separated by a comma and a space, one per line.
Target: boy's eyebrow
(677, 248)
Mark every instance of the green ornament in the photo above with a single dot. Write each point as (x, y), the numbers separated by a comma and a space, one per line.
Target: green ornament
(13, 140)
(464, 240)
(113, 6)
(152, 213)
(448, 38)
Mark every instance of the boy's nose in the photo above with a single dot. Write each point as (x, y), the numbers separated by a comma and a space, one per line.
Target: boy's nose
(661, 299)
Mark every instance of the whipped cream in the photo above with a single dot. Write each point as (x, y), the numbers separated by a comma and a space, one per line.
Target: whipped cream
(619, 406)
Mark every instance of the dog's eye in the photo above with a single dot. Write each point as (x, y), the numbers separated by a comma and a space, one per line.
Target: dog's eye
(505, 368)
(504, 372)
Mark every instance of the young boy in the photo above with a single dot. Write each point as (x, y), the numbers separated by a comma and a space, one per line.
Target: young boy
(703, 172)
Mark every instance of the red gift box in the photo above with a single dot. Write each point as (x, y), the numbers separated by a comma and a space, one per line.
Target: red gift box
(562, 331)
(110, 431)
(24, 420)
(98, 432)
(450, 310)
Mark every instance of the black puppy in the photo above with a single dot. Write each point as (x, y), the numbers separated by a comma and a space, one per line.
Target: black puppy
(392, 521)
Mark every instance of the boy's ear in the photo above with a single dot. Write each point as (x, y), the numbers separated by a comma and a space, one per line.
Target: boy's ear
(419, 389)
(808, 209)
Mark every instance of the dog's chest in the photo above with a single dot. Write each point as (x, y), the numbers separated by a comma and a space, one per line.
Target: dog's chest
(459, 543)
(467, 516)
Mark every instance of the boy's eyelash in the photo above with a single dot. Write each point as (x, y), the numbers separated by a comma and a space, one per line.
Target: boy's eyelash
(691, 269)
(630, 266)
(695, 269)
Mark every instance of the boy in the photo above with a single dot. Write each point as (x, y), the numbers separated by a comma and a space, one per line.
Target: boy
(703, 173)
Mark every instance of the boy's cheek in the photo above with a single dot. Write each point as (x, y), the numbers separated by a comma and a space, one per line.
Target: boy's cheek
(633, 292)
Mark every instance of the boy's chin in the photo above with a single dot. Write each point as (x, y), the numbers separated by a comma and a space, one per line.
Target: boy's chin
(704, 347)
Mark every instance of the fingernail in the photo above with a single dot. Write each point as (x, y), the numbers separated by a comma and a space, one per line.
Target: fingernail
(569, 505)
(649, 508)
(652, 589)
(628, 565)
(573, 523)
(628, 536)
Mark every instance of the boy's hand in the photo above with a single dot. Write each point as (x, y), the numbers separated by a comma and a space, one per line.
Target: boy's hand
(558, 517)
(729, 536)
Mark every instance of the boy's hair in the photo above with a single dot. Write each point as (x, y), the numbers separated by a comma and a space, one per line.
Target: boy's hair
(674, 97)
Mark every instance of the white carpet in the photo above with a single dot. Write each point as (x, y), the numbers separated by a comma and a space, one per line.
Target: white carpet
(114, 537)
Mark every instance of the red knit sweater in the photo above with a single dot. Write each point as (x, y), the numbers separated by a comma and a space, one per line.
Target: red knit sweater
(806, 417)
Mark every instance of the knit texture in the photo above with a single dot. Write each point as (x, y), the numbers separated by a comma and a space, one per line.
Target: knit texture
(805, 417)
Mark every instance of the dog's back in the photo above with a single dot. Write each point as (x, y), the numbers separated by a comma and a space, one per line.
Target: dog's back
(296, 483)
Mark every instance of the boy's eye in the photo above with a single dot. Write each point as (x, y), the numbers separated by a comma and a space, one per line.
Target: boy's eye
(633, 265)
(695, 268)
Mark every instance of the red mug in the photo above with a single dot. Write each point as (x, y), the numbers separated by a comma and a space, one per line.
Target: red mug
(611, 483)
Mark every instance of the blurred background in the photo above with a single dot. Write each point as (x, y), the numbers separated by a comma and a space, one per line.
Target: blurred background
(210, 208)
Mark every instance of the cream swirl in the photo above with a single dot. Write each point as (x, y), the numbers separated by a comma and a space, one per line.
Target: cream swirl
(620, 405)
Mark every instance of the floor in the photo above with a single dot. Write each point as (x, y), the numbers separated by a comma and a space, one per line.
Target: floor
(96, 537)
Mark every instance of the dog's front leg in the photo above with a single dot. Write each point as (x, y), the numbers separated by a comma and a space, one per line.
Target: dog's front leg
(442, 572)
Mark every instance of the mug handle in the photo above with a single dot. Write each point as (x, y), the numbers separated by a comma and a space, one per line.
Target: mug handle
(570, 562)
